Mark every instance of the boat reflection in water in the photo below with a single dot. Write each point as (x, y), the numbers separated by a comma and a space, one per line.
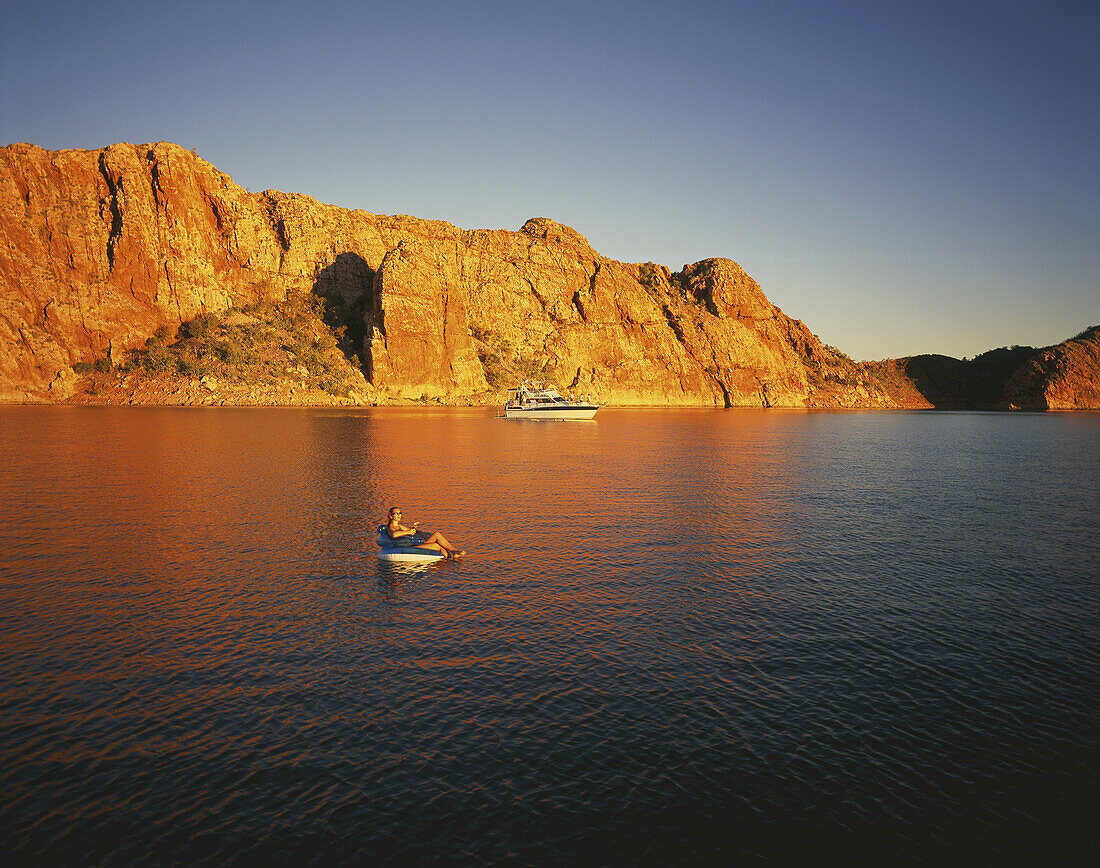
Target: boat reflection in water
(535, 400)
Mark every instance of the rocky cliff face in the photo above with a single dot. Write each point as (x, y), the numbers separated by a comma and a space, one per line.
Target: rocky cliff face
(101, 249)
(1062, 377)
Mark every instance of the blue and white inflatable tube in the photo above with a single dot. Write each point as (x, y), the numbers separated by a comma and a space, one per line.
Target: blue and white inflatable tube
(400, 551)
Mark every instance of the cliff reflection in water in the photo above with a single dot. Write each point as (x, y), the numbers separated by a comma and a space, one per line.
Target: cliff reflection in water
(681, 636)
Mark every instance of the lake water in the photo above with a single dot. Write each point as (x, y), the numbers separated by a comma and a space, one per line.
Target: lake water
(679, 637)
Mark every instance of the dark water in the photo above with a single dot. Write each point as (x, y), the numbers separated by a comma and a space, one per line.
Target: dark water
(680, 637)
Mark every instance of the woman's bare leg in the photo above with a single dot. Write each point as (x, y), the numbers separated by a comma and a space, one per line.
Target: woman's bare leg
(438, 540)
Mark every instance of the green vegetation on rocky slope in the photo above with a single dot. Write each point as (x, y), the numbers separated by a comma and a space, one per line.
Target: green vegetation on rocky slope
(264, 349)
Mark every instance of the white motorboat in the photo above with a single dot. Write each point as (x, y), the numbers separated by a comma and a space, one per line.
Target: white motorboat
(534, 400)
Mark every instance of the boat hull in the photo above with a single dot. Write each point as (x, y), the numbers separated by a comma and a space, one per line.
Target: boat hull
(551, 413)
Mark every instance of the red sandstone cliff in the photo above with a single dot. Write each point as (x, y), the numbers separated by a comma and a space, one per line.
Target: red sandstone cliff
(100, 249)
(1062, 377)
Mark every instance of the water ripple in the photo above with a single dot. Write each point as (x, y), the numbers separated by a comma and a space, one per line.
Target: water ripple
(803, 634)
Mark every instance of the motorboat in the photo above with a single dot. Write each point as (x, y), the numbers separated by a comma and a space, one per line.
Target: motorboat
(405, 552)
(535, 400)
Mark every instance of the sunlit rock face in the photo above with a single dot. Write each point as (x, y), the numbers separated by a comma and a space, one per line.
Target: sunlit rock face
(100, 249)
(1062, 377)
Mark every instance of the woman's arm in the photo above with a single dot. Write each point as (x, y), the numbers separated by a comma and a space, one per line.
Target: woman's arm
(397, 529)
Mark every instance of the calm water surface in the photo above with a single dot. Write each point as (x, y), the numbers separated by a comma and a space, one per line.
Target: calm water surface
(680, 637)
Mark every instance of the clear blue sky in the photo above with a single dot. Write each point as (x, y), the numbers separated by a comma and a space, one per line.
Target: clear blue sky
(904, 177)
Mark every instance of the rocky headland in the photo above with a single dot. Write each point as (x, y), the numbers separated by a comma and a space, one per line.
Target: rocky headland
(142, 274)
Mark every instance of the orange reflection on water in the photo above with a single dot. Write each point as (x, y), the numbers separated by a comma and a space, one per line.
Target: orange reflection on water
(218, 513)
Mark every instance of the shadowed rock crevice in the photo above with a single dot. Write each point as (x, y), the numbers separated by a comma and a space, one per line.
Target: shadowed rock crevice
(346, 288)
(115, 207)
(278, 224)
(154, 176)
(674, 323)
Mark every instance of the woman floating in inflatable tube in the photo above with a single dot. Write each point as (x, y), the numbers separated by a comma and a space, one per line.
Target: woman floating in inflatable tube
(396, 531)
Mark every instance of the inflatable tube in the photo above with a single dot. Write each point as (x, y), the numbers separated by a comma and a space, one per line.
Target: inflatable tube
(404, 554)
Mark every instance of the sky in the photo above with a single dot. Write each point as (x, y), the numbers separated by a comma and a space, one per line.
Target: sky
(904, 177)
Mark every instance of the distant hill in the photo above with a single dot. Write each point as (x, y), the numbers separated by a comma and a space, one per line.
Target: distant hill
(1062, 377)
(142, 274)
(977, 383)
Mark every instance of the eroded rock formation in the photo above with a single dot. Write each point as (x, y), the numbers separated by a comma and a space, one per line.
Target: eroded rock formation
(100, 249)
(1062, 377)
